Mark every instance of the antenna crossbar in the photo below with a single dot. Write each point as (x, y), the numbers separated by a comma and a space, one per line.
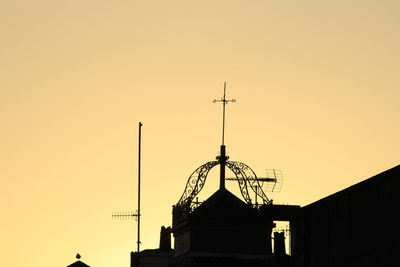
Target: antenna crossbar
(137, 215)
(125, 215)
(253, 179)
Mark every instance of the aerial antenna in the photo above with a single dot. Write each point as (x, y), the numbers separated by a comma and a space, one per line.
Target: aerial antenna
(130, 215)
(272, 182)
(139, 174)
(275, 180)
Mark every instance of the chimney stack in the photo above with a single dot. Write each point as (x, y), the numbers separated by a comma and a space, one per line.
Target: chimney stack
(165, 238)
(279, 243)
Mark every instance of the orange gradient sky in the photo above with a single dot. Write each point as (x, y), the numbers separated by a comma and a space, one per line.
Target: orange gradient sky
(317, 86)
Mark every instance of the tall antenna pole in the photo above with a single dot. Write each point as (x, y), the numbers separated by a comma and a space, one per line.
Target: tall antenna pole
(136, 215)
(223, 158)
(139, 214)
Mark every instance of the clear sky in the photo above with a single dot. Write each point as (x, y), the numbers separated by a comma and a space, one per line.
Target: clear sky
(316, 82)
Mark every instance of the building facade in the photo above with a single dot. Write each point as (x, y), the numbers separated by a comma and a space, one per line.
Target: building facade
(357, 227)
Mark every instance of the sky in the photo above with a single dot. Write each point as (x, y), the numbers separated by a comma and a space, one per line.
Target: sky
(317, 91)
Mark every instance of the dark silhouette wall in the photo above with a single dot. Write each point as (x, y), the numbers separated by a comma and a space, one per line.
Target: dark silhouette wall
(223, 231)
(358, 226)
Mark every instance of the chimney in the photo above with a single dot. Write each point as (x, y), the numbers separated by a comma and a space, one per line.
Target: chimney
(165, 239)
(279, 243)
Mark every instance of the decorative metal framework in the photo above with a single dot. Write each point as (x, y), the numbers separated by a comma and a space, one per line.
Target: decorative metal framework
(245, 176)
(196, 182)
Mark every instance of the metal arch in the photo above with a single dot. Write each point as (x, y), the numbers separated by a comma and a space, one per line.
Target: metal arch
(249, 177)
(241, 178)
(196, 182)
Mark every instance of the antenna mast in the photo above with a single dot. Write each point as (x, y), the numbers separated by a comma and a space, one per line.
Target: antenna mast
(139, 172)
(137, 214)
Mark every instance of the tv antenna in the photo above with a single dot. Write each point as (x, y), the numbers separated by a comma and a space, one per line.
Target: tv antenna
(272, 182)
(276, 180)
(131, 215)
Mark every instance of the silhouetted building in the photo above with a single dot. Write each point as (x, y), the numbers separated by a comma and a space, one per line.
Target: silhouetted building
(78, 263)
(155, 257)
(222, 231)
(357, 227)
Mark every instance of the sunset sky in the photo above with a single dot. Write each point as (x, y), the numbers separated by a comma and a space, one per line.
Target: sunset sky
(317, 87)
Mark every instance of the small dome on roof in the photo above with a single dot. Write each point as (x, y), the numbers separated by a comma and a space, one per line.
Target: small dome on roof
(78, 263)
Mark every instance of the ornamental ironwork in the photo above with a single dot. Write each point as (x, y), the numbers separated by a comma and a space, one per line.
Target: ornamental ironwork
(244, 175)
(196, 182)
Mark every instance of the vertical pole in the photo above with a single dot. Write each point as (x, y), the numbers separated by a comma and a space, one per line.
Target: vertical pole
(139, 214)
(223, 115)
(223, 158)
(222, 162)
(256, 196)
(223, 151)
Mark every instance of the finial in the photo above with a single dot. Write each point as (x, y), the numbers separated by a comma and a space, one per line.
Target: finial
(224, 102)
(223, 158)
(78, 256)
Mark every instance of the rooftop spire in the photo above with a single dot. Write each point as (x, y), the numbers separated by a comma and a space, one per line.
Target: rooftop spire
(224, 101)
(222, 158)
